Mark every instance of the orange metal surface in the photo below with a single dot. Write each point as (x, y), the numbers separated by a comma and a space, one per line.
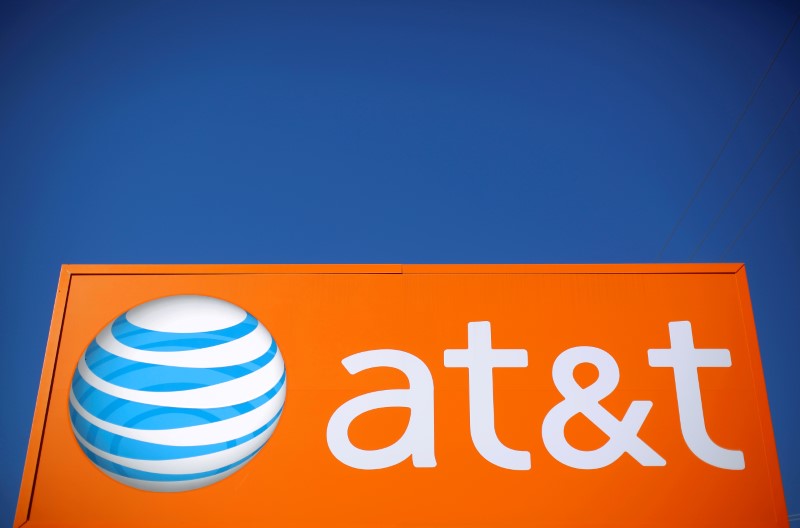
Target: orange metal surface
(320, 315)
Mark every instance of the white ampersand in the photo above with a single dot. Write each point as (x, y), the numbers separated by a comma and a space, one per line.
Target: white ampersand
(622, 434)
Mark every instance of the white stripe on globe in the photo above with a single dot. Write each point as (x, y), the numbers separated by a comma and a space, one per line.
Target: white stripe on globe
(231, 353)
(132, 435)
(177, 485)
(183, 466)
(224, 394)
(195, 435)
(183, 314)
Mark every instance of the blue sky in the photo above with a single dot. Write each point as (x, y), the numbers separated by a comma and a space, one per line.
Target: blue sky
(407, 132)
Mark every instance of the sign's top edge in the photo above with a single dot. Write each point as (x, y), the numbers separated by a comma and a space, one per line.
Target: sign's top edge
(208, 269)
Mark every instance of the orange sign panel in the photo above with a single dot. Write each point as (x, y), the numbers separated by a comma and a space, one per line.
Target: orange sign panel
(388, 395)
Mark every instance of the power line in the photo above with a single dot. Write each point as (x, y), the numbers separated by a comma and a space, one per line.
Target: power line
(727, 139)
(775, 183)
(744, 177)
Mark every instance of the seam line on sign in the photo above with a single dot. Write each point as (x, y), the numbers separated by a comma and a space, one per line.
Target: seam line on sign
(695, 272)
(572, 269)
(232, 273)
(493, 269)
(239, 269)
(732, 272)
(49, 397)
(740, 295)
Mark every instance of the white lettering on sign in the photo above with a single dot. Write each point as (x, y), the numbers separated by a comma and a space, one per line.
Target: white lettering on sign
(684, 359)
(416, 442)
(479, 358)
(577, 400)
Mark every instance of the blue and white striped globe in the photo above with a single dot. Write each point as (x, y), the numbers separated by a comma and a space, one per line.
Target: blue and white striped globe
(177, 393)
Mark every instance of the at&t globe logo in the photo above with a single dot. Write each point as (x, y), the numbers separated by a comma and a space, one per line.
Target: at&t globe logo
(177, 393)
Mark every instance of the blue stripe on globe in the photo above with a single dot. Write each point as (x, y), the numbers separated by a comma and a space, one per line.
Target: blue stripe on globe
(177, 393)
